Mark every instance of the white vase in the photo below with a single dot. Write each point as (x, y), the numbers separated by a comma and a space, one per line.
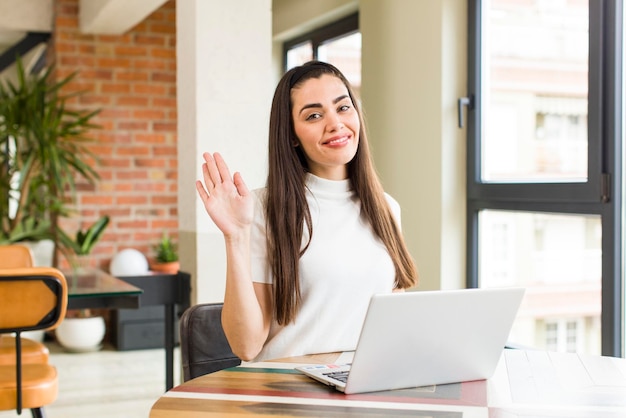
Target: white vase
(81, 334)
(34, 335)
(43, 252)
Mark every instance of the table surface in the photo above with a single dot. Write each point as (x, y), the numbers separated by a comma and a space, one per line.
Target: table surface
(526, 383)
(89, 282)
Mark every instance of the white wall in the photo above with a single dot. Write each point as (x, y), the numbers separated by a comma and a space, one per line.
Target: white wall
(224, 86)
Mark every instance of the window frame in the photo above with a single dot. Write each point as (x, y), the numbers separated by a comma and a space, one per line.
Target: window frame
(600, 195)
(340, 28)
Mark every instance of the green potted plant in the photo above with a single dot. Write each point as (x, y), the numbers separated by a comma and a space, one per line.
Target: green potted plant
(44, 151)
(81, 330)
(76, 249)
(166, 259)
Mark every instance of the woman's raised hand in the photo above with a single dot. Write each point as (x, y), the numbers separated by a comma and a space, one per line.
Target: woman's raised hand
(226, 199)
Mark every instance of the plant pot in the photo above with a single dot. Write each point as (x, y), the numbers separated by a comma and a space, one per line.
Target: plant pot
(42, 250)
(169, 268)
(34, 335)
(81, 334)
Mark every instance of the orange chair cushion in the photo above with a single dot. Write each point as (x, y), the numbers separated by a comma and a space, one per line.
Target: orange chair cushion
(40, 386)
(32, 351)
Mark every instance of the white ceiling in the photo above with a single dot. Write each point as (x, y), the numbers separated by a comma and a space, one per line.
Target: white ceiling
(17, 17)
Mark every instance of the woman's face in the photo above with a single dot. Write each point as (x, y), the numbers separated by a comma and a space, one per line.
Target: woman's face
(326, 124)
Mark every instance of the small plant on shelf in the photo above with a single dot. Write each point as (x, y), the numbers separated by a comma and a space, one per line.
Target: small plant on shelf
(166, 250)
(166, 259)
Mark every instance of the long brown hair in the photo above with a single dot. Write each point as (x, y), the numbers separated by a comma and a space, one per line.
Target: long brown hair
(286, 209)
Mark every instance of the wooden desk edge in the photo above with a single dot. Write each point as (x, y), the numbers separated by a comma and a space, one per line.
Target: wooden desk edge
(321, 358)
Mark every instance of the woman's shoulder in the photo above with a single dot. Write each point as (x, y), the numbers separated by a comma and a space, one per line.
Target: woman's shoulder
(393, 203)
(260, 194)
(260, 198)
(394, 206)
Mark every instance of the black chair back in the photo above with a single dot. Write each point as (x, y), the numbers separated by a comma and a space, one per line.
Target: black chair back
(204, 347)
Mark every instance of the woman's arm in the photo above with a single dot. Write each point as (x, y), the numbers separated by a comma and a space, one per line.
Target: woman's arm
(247, 307)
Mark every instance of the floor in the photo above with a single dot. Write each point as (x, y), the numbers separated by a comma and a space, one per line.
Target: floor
(106, 383)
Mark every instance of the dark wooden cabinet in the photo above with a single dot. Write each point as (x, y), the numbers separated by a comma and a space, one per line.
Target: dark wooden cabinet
(143, 328)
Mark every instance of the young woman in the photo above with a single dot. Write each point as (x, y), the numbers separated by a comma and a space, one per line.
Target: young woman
(305, 253)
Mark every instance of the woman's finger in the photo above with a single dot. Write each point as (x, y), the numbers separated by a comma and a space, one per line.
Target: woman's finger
(212, 170)
(242, 189)
(207, 178)
(204, 195)
(221, 166)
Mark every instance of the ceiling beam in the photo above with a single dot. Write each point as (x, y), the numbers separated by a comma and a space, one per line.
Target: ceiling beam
(22, 49)
(26, 15)
(114, 17)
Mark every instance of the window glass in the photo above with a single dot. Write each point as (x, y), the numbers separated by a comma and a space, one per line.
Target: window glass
(345, 54)
(338, 43)
(535, 85)
(558, 259)
(545, 183)
(299, 54)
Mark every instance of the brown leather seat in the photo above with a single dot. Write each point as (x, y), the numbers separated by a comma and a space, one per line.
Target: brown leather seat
(203, 345)
(32, 298)
(15, 256)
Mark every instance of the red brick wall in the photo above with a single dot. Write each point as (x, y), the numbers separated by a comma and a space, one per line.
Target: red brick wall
(132, 78)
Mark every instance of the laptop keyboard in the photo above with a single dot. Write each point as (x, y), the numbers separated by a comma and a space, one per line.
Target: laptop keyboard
(342, 376)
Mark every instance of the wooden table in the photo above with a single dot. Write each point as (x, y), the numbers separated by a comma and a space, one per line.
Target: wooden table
(526, 384)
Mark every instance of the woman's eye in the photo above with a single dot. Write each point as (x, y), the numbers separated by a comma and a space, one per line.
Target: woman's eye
(313, 116)
(344, 108)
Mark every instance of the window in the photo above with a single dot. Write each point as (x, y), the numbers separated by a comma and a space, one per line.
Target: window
(338, 43)
(544, 167)
(563, 335)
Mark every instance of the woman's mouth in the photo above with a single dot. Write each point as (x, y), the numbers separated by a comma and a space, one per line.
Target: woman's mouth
(337, 141)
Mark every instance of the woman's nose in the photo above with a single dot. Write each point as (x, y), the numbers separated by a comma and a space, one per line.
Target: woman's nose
(334, 123)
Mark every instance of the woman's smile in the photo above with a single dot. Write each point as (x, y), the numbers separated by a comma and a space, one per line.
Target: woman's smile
(338, 141)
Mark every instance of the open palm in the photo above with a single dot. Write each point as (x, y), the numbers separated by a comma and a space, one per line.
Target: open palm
(226, 199)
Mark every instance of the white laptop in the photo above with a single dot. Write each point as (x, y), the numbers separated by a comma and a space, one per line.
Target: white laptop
(423, 338)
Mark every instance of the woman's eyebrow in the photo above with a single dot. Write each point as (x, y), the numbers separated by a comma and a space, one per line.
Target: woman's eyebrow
(340, 98)
(318, 105)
